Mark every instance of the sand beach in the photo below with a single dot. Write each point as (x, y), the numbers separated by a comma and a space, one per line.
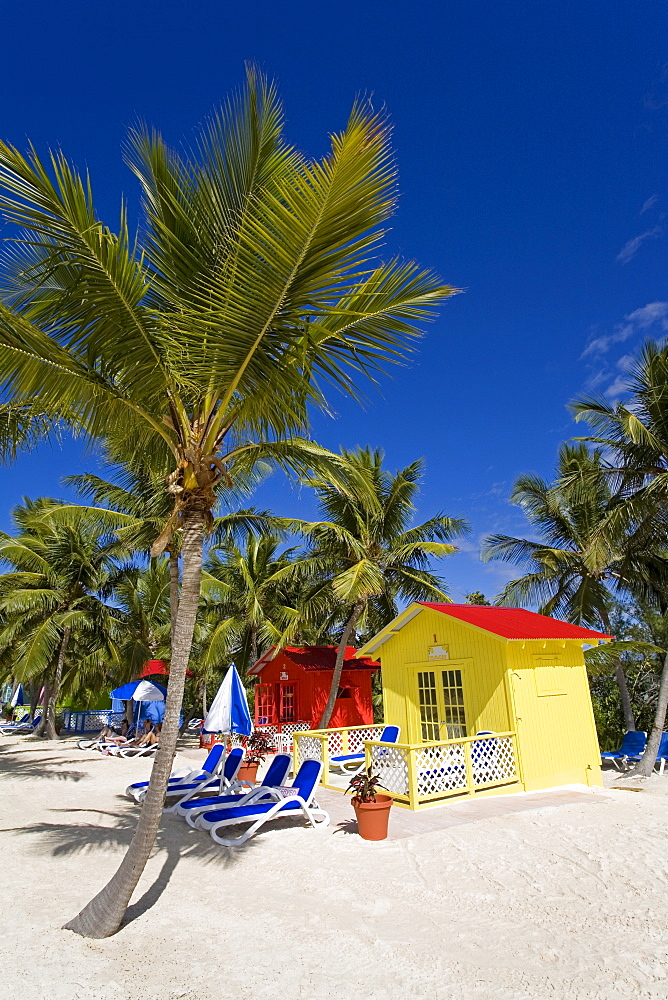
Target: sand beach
(556, 895)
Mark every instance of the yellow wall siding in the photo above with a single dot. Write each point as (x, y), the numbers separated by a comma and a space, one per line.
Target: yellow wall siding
(549, 690)
(480, 658)
(537, 689)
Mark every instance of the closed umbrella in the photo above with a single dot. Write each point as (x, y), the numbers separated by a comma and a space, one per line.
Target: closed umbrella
(17, 697)
(229, 711)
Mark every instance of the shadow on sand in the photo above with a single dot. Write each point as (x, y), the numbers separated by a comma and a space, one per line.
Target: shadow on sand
(23, 767)
(115, 829)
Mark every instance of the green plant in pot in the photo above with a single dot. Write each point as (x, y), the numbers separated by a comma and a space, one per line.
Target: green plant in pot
(371, 809)
(258, 746)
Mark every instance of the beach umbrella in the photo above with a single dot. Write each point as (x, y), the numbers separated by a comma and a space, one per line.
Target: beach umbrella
(17, 697)
(140, 691)
(229, 709)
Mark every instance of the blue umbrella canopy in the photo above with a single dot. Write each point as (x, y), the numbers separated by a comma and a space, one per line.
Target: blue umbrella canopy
(17, 697)
(140, 691)
(229, 709)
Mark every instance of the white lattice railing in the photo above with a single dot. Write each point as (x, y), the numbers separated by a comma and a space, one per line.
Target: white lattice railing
(323, 744)
(283, 733)
(416, 774)
(429, 772)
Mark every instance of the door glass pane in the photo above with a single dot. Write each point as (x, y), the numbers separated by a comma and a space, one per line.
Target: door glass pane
(428, 705)
(265, 704)
(453, 705)
(287, 709)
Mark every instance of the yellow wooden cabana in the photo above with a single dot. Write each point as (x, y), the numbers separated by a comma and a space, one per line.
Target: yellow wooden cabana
(488, 700)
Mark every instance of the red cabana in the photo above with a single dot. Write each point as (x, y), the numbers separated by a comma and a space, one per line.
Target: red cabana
(293, 687)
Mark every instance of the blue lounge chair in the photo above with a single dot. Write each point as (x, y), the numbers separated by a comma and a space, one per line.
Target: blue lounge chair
(182, 781)
(351, 763)
(259, 813)
(661, 757)
(223, 780)
(190, 808)
(18, 728)
(633, 745)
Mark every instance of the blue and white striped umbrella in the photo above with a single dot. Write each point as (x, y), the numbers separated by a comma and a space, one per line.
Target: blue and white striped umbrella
(229, 709)
(140, 691)
(17, 697)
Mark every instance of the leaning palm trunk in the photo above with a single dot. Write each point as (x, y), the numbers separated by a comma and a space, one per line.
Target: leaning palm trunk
(34, 697)
(48, 683)
(645, 765)
(625, 697)
(338, 664)
(173, 589)
(620, 677)
(103, 915)
(49, 728)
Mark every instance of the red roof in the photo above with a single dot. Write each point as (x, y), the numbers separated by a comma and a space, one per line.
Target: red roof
(515, 623)
(154, 667)
(317, 658)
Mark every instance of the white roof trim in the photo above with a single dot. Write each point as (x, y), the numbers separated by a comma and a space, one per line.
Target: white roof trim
(392, 629)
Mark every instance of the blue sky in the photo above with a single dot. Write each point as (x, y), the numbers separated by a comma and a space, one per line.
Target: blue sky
(531, 141)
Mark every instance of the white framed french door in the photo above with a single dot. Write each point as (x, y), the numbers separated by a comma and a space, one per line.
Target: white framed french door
(440, 701)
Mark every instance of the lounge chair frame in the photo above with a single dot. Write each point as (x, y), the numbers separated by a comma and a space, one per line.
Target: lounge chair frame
(282, 807)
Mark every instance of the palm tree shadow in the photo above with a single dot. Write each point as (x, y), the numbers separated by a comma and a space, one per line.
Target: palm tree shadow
(175, 838)
(22, 767)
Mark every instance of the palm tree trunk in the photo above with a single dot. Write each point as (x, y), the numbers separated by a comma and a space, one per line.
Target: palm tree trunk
(338, 664)
(34, 697)
(627, 707)
(103, 915)
(47, 683)
(203, 694)
(49, 729)
(620, 676)
(173, 589)
(253, 647)
(645, 765)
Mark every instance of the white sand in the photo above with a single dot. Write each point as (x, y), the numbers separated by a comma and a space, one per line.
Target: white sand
(564, 901)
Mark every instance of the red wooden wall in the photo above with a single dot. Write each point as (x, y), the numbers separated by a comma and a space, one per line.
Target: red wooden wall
(302, 694)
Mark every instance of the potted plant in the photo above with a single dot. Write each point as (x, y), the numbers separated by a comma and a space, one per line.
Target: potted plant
(257, 747)
(372, 810)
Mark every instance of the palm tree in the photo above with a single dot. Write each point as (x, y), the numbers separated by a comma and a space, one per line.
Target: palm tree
(363, 554)
(50, 599)
(636, 432)
(255, 284)
(246, 600)
(142, 597)
(571, 571)
(139, 508)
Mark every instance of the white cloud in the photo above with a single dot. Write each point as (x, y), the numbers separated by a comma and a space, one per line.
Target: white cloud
(630, 249)
(648, 203)
(626, 362)
(654, 313)
(618, 387)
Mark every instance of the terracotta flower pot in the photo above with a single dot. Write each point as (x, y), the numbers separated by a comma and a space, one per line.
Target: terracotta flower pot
(248, 772)
(373, 817)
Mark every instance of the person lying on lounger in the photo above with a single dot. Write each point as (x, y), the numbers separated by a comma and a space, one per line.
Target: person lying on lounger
(143, 738)
(109, 735)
